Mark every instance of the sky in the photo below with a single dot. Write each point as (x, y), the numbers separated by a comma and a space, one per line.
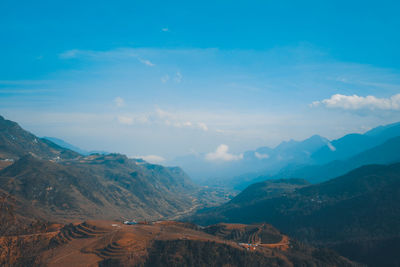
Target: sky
(160, 79)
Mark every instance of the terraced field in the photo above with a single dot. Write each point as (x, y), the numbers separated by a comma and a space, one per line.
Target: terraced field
(166, 243)
(91, 242)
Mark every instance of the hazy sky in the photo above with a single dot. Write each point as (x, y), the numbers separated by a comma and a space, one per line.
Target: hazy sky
(168, 78)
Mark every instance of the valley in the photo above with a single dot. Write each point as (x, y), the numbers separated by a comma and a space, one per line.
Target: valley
(199, 133)
(67, 209)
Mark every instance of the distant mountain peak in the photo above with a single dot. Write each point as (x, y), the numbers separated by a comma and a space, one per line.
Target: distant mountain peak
(317, 137)
(354, 143)
(69, 146)
(378, 130)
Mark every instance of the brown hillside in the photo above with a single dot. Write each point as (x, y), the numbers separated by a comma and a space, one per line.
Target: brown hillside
(164, 243)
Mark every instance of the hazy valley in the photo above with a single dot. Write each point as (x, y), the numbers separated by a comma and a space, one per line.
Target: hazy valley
(59, 204)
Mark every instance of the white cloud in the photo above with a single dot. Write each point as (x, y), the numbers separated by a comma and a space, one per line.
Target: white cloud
(202, 126)
(178, 77)
(222, 154)
(119, 102)
(355, 102)
(147, 62)
(178, 121)
(261, 155)
(165, 29)
(165, 78)
(125, 120)
(152, 159)
(164, 114)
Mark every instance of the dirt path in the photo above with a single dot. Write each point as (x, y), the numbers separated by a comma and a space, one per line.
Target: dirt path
(182, 213)
(283, 244)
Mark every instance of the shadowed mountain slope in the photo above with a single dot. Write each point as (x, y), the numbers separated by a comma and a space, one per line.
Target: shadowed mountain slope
(268, 189)
(361, 206)
(386, 153)
(352, 144)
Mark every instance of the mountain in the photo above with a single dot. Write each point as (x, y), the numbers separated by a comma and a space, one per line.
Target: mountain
(385, 131)
(162, 243)
(379, 145)
(54, 183)
(287, 152)
(299, 151)
(358, 214)
(15, 142)
(107, 186)
(386, 153)
(289, 159)
(352, 144)
(220, 173)
(67, 145)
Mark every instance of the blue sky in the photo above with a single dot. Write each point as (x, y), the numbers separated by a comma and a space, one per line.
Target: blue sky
(171, 78)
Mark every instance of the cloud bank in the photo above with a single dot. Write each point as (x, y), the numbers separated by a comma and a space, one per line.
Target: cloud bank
(125, 120)
(119, 102)
(222, 154)
(355, 102)
(158, 117)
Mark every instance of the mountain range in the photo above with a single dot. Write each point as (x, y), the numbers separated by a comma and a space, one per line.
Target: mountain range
(331, 159)
(300, 159)
(385, 153)
(252, 163)
(353, 144)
